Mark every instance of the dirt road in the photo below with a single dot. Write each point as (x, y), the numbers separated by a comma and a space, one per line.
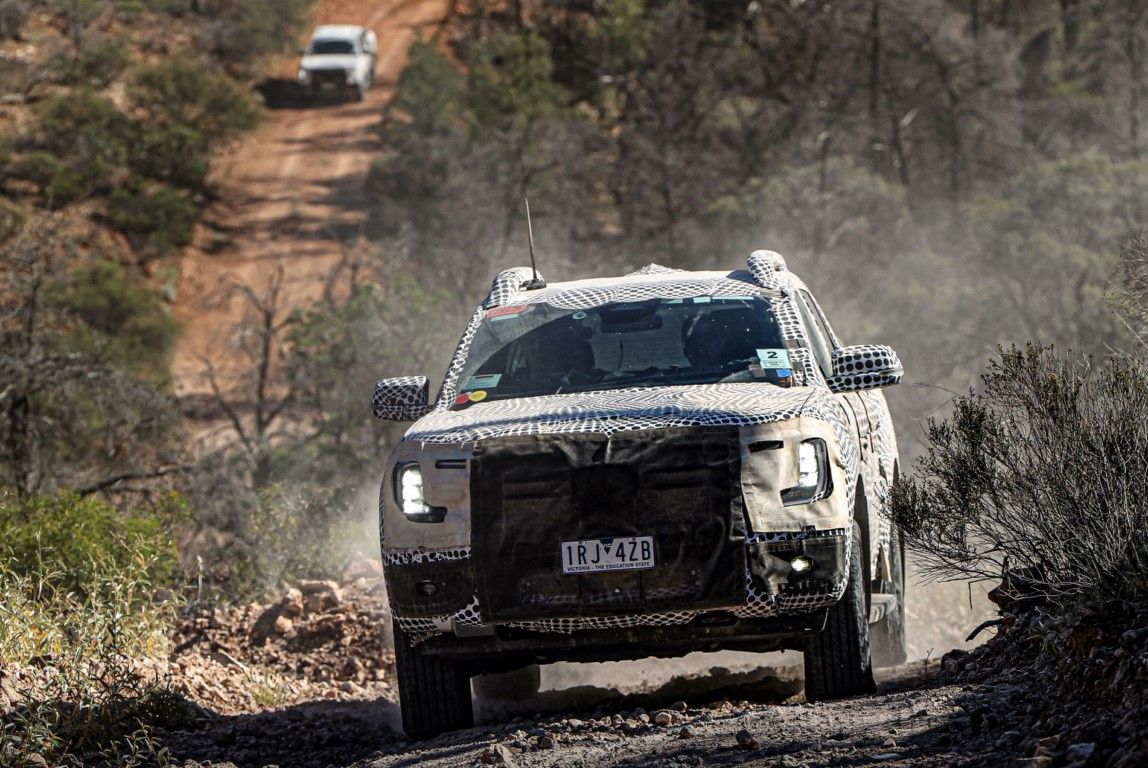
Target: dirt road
(322, 692)
(723, 721)
(291, 194)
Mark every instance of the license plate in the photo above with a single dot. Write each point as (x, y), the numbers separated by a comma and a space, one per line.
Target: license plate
(622, 553)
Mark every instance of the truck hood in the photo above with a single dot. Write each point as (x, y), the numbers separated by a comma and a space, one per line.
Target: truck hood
(346, 61)
(612, 411)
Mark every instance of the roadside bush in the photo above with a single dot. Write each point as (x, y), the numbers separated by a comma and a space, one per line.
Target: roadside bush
(176, 154)
(81, 585)
(80, 539)
(428, 99)
(245, 32)
(90, 137)
(183, 92)
(1132, 296)
(160, 220)
(122, 319)
(1043, 471)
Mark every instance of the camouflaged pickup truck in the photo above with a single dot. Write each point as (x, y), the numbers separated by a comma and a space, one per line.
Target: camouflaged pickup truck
(647, 465)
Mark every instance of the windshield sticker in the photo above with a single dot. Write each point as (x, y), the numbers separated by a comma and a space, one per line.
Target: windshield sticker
(512, 310)
(579, 315)
(777, 359)
(478, 396)
(485, 381)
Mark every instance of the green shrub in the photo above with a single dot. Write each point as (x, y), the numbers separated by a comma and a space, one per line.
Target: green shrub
(185, 93)
(80, 584)
(429, 93)
(69, 542)
(38, 168)
(175, 154)
(163, 219)
(1044, 470)
(96, 63)
(90, 137)
(243, 33)
(121, 317)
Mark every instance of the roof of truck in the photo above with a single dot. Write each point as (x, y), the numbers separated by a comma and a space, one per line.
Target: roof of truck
(337, 31)
(767, 271)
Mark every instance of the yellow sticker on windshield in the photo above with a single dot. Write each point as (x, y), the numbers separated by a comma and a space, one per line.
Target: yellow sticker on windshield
(478, 396)
(774, 358)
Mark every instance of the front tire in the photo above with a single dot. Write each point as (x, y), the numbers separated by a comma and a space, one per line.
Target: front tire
(837, 660)
(434, 693)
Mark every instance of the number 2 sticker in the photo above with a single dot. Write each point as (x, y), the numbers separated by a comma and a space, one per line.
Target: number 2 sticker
(774, 358)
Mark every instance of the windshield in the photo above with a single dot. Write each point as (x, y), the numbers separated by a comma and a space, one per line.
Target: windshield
(331, 47)
(528, 350)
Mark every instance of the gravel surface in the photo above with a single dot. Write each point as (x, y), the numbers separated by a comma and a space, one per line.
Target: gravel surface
(307, 681)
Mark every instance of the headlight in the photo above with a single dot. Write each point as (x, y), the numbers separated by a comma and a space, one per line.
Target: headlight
(409, 495)
(813, 478)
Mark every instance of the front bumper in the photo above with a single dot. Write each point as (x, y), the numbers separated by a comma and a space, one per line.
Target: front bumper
(433, 592)
(508, 648)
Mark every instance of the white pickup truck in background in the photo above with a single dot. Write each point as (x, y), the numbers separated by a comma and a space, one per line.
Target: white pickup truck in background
(339, 59)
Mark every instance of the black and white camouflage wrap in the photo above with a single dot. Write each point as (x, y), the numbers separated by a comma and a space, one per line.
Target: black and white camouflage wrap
(863, 367)
(870, 459)
(403, 398)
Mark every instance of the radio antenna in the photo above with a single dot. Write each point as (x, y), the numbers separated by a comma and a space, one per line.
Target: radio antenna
(535, 282)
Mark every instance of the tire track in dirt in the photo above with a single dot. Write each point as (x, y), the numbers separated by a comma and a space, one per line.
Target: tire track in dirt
(292, 193)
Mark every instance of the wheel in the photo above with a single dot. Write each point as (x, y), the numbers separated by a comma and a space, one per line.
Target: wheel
(434, 693)
(837, 662)
(518, 684)
(888, 635)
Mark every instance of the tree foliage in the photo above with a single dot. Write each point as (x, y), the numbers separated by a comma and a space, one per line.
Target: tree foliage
(69, 417)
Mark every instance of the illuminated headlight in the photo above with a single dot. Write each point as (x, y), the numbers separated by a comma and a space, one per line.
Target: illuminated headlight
(409, 495)
(813, 478)
(303, 75)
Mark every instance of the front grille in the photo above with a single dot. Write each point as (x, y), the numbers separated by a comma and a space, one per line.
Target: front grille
(335, 77)
(681, 486)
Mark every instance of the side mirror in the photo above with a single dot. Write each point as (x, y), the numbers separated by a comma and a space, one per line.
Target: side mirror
(864, 366)
(401, 399)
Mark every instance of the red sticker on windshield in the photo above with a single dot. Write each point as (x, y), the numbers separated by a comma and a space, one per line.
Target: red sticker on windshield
(512, 309)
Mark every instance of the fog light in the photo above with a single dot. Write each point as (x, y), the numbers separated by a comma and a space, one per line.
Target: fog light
(426, 588)
(800, 564)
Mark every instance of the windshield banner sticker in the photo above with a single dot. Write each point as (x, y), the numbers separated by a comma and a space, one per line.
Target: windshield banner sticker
(484, 381)
(508, 311)
(774, 358)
